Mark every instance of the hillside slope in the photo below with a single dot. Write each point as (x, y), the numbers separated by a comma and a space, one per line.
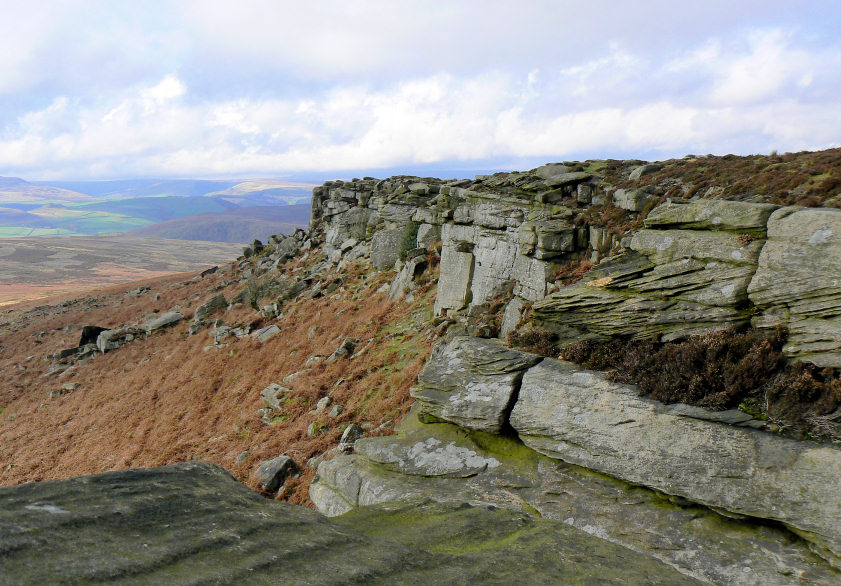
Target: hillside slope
(236, 225)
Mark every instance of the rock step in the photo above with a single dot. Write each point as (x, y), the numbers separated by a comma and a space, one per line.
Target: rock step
(449, 464)
(194, 523)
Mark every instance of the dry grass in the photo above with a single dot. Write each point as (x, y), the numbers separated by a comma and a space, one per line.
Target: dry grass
(170, 398)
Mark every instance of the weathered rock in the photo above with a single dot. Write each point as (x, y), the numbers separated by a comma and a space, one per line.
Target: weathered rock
(566, 178)
(113, 339)
(454, 280)
(193, 522)
(164, 320)
(712, 214)
(255, 247)
(512, 316)
(271, 474)
(90, 334)
(409, 273)
(274, 395)
(346, 348)
(644, 170)
(264, 334)
(670, 284)
(798, 282)
(696, 541)
(336, 410)
(428, 234)
(385, 248)
(471, 382)
(578, 416)
(323, 403)
(551, 170)
(208, 308)
(351, 433)
(633, 200)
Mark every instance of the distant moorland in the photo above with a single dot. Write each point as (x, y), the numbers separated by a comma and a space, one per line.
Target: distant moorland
(71, 208)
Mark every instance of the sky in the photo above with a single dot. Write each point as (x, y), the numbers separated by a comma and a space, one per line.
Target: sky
(205, 88)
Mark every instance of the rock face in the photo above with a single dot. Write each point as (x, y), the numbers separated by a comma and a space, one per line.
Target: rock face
(471, 382)
(798, 283)
(191, 523)
(688, 278)
(577, 416)
(449, 465)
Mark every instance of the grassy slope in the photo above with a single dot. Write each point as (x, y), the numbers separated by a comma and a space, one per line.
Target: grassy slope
(169, 398)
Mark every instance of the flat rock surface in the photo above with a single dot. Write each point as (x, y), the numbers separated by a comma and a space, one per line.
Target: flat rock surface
(193, 523)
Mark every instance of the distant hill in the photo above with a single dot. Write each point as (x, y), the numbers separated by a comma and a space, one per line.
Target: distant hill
(14, 189)
(235, 225)
(122, 188)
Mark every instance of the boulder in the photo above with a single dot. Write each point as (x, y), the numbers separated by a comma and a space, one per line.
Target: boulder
(349, 436)
(113, 339)
(208, 308)
(405, 279)
(271, 474)
(90, 334)
(264, 334)
(575, 415)
(471, 382)
(633, 200)
(551, 170)
(164, 320)
(385, 248)
(428, 234)
(643, 170)
(274, 395)
(454, 280)
(346, 348)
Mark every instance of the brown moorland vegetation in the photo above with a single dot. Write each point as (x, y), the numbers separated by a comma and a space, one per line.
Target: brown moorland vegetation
(172, 397)
(723, 369)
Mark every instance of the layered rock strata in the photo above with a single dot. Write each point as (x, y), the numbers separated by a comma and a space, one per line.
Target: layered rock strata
(568, 417)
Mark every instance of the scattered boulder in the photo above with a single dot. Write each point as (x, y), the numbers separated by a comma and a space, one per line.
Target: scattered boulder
(644, 170)
(346, 348)
(208, 308)
(170, 318)
(264, 334)
(274, 395)
(351, 433)
(323, 403)
(90, 334)
(255, 247)
(336, 411)
(113, 339)
(271, 474)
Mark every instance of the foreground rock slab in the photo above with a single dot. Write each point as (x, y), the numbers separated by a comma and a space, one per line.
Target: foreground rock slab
(578, 416)
(193, 523)
(449, 464)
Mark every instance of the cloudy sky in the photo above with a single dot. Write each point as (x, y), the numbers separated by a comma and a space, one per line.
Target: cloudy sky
(266, 88)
